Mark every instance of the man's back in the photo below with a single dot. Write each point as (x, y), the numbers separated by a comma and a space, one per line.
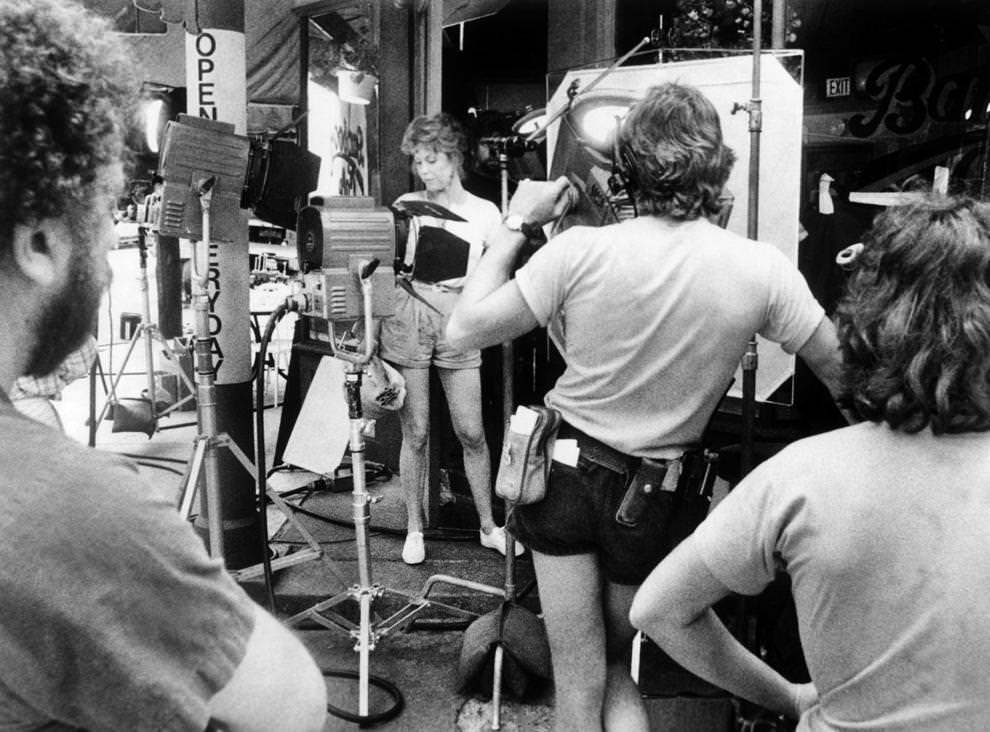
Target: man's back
(97, 573)
(654, 317)
(884, 537)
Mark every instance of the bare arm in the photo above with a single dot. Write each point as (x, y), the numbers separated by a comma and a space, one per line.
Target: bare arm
(491, 309)
(821, 353)
(277, 686)
(674, 608)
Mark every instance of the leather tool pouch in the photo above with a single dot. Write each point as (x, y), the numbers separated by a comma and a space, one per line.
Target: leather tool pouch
(524, 467)
(683, 498)
(646, 486)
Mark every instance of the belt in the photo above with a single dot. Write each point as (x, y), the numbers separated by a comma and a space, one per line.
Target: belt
(437, 286)
(598, 452)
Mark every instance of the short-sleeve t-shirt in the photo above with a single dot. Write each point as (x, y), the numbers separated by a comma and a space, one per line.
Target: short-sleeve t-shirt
(112, 614)
(884, 537)
(652, 318)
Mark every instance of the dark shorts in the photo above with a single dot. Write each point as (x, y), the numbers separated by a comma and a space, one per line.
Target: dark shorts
(577, 516)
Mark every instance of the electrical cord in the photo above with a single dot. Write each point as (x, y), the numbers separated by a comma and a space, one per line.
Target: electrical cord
(259, 450)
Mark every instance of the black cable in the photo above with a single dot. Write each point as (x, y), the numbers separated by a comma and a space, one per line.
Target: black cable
(163, 459)
(259, 451)
(441, 533)
(159, 467)
(398, 702)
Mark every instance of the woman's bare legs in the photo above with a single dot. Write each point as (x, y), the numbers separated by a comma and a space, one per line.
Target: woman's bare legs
(414, 418)
(463, 390)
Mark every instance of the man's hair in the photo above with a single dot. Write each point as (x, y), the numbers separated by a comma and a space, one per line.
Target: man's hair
(441, 133)
(671, 142)
(914, 323)
(63, 85)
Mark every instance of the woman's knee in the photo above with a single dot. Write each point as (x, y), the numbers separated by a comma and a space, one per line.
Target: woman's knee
(472, 439)
(415, 435)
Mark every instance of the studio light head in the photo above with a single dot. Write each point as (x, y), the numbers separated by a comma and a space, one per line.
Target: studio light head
(337, 242)
(269, 176)
(195, 150)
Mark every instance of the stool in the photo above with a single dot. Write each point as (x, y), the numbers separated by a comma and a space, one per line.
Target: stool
(129, 323)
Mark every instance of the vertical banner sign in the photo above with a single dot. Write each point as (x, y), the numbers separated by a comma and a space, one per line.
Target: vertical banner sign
(216, 89)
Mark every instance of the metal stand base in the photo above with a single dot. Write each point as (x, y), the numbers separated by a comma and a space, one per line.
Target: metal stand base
(188, 492)
(367, 632)
(150, 332)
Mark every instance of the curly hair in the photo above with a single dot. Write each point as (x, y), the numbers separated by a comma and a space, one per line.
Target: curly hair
(440, 133)
(914, 324)
(671, 142)
(63, 105)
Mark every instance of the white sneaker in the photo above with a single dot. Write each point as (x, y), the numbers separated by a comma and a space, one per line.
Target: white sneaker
(495, 539)
(414, 551)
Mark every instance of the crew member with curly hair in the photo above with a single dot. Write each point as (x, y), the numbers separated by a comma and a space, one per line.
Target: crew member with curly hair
(652, 316)
(881, 526)
(112, 614)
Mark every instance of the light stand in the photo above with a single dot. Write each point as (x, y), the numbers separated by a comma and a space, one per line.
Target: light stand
(367, 632)
(149, 333)
(204, 459)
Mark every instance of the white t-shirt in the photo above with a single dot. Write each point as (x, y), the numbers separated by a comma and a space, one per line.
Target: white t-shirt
(652, 318)
(885, 538)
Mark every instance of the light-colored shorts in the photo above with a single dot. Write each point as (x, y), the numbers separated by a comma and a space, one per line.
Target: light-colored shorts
(414, 337)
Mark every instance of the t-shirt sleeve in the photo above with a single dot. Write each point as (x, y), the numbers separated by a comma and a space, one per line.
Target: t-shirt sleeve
(115, 617)
(542, 279)
(793, 313)
(491, 221)
(738, 540)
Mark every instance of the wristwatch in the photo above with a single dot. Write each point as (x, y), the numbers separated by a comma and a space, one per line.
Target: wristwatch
(531, 230)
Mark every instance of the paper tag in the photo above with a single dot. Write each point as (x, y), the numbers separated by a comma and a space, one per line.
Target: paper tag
(566, 452)
(523, 422)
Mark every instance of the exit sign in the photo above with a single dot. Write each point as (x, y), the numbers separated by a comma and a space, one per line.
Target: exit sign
(840, 86)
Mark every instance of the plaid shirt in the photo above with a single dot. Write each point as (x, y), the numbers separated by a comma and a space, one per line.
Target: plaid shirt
(75, 366)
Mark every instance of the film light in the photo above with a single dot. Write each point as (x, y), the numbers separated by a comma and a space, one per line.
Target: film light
(195, 150)
(334, 241)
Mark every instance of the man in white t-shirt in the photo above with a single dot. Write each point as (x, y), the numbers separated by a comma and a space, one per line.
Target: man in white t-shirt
(651, 316)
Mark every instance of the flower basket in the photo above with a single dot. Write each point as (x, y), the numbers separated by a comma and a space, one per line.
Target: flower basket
(355, 87)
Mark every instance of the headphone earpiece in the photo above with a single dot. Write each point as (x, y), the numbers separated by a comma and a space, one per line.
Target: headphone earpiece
(623, 178)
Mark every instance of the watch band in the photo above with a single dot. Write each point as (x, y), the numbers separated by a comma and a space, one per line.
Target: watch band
(530, 229)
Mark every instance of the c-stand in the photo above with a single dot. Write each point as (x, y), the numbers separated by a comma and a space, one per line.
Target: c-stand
(209, 438)
(366, 632)
(147, 420)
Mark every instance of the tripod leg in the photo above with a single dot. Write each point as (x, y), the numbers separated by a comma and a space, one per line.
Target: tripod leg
(112, 397)
(364, 650)
(190, 480)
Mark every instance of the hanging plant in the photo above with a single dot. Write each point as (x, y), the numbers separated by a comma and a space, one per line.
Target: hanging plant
(724, 24)
(333, 58)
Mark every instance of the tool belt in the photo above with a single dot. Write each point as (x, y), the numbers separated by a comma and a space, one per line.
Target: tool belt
(682, 486)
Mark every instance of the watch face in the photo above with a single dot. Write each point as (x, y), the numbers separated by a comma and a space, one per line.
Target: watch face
(514, 222)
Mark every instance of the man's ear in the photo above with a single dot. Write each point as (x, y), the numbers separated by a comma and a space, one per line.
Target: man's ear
(37, 252)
